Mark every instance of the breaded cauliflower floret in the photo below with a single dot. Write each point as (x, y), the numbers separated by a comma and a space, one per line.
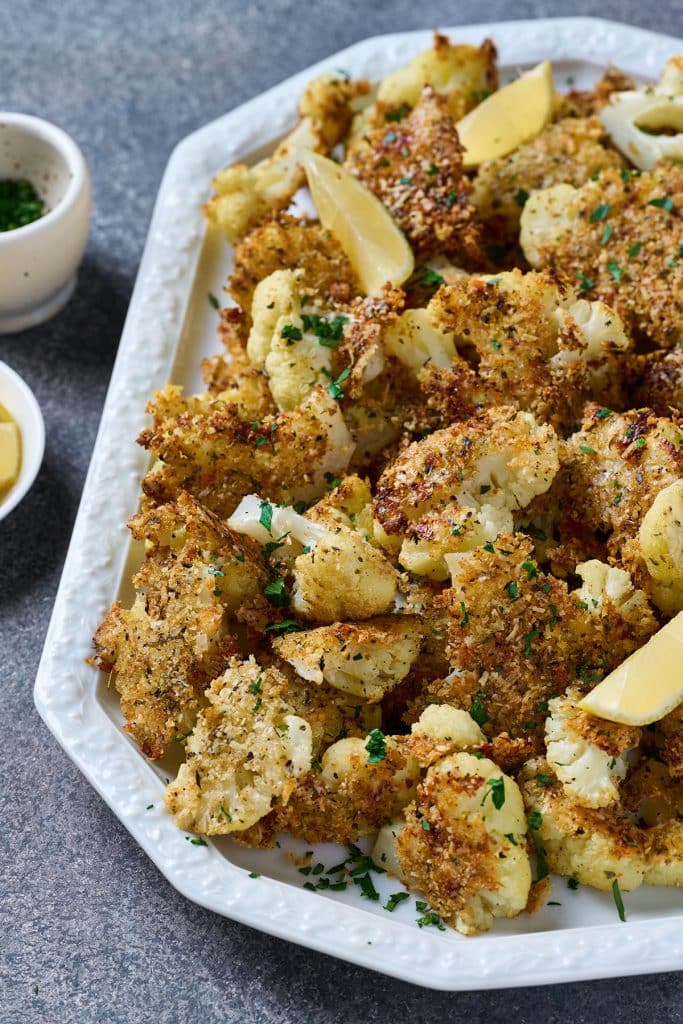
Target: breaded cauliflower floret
(598, 846)
(457, 487)
(619, 236)
(613, 471)
(587, 754)
(244, 195)
(518, 637)
(655, 380)
(595, 846)
(463, 843)
(417, 338)
(288, 243)
(247, 750)
(168, 646)
(462, 73)
(414, 166)
(204, 447)
(441, 730)
(534, 344)
(353, 794)
(661, 542)
(570, 150)
(293, 347)
(367, 659)
(338, 575)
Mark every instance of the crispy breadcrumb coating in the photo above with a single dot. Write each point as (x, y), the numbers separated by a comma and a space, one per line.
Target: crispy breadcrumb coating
(203, 446)
(166, 649)
(655, 380)
(619, 236)
(366, 658)
(247, 750)
(571, 150)
(518, 637)
(289, 243)
(463, 843)
(531, 342)
(414, 166)
(230, 377)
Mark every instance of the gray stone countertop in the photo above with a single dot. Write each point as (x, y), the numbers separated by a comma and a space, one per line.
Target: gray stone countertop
(90, 931)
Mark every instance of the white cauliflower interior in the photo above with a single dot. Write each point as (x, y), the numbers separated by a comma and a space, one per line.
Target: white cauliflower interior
(647, 124)
(338, 575)
(463, 845)
(366, 659)
(281, 341)
(246, 751)
(416, 338)
(548, 213)
(590, 771)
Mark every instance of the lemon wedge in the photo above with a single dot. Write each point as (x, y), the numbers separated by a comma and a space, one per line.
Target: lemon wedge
(508, 117)
(376, 247)
(10, 451)
(645, 687)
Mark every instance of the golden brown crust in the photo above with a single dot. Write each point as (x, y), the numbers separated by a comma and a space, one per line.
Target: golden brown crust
(655, 380)
(638, 272)
(289, 243)
(414, 166)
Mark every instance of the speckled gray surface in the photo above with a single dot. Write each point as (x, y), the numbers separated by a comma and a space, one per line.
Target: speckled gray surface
(90, 930)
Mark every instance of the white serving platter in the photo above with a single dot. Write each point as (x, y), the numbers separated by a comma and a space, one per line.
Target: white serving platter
(169, 328)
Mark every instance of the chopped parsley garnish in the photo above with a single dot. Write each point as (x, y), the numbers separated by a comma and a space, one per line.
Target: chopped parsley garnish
(395, 899)
(495, 344)
(429, 917)
(364, 882)
(521, 196)
(615, 270)
(634, 250)
(197, 840)
(607, 234)
(273, 545)
(277, 593)
(496, 789)
(512, 590)
(291, 333)
(398, 113)
(287, 626)
(376, 746)
(572, 884)
(531, 570)
(510, 837)
(432, 169)
(429, 277)
(535, 820)
(214, 571)
(406, 181)
(585, 282)
(619, 903)
(478, 711)
(587, 449)
(543, 780)
(389, 138)
(149, 807)
(640, 443)
(489, 547)
(20, 204)
(603, 414)
(332, 480)
(266, 516)
(214, 301)
(465, 615)
(662, 203)
(334, 389)
(450, 199)
(600, 212)
(484, 488)
(256, 687)
(328, 332)
(254, 874)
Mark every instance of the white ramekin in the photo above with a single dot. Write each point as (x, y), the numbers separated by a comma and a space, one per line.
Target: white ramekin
(19, 400)
(38, 262)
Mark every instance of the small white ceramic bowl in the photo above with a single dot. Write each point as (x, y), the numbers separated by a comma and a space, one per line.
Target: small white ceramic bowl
(19, 400)
(38, 262)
